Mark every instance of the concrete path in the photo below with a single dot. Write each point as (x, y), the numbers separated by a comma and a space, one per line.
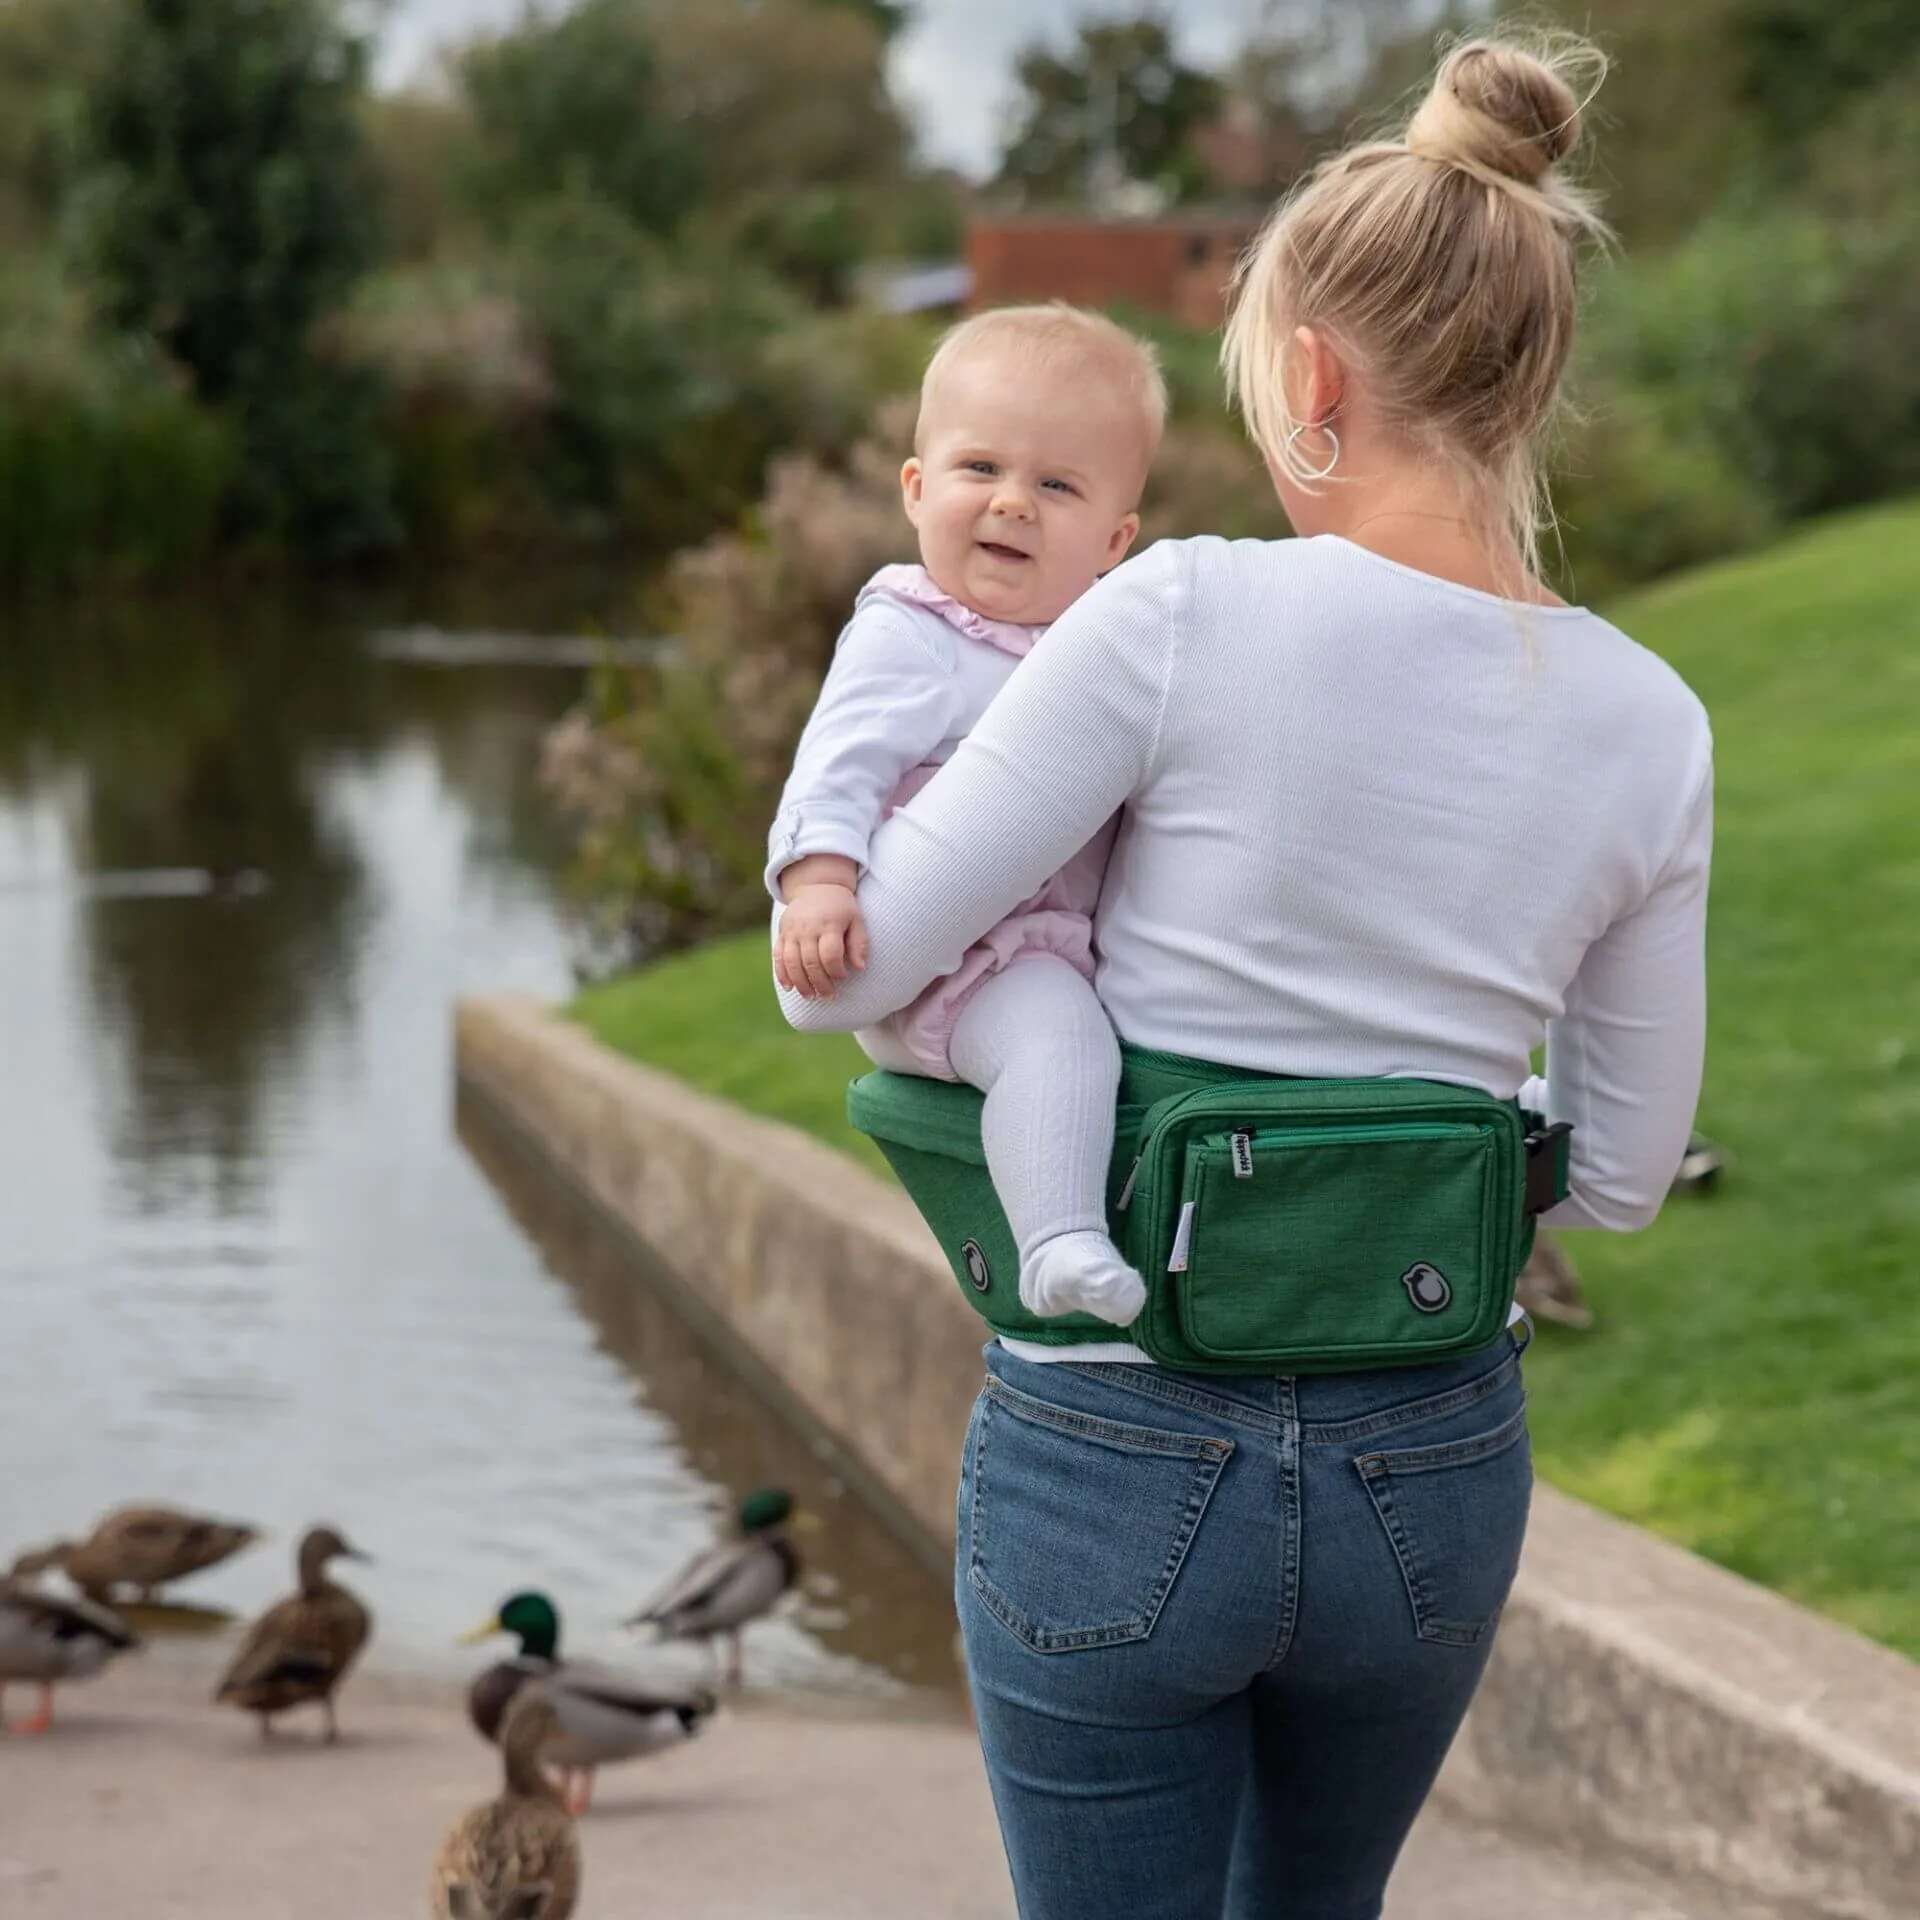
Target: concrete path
(145, 1803)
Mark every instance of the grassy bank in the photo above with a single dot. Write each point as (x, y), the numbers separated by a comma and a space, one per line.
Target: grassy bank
(1753, 1387)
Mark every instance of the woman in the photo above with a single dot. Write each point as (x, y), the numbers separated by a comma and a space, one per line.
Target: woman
(1390, 809)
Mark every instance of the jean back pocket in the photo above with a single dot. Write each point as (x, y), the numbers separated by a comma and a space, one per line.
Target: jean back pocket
(1080, 1525)
(1456, 1515)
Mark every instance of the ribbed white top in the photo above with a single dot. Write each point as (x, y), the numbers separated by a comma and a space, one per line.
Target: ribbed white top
(1375, 824)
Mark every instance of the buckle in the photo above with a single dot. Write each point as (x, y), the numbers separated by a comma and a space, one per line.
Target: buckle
(1548, 1150)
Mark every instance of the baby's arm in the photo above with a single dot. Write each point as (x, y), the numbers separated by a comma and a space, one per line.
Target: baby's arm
(888, 701)
(1062, 747)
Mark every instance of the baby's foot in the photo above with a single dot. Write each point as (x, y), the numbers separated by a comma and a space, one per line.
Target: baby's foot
(1081, 1273)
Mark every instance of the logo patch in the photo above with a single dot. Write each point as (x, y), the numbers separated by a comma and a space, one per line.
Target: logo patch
(979, 1274)
(1427, 1287)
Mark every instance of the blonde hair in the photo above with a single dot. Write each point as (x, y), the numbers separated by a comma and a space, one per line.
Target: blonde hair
(1056, 335)
(1444, 265)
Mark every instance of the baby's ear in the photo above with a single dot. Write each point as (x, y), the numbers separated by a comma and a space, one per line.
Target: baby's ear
(1122, 538)
(913, 479)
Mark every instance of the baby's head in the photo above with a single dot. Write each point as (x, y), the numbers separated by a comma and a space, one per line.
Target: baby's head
(1037, 427)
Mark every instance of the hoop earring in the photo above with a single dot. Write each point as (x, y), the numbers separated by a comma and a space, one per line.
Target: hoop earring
(1333, 459)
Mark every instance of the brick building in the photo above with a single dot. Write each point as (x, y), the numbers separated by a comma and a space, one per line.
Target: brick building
(1179, 265)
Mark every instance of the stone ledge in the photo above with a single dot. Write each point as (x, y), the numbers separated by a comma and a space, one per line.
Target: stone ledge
(1640, 1701)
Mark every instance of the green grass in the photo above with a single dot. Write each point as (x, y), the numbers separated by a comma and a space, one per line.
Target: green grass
(711, 1018)
(1752, 1389)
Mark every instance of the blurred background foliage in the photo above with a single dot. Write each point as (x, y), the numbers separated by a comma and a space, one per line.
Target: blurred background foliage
(607, 282)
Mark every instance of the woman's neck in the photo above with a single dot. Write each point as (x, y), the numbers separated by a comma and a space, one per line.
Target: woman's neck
(1424, 523)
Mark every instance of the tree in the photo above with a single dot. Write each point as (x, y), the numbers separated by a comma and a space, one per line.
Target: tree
(574, 102)
(49, 49)
(229, 217)
(1798, 61)
(1120, 107)
(887, 16)
(764, 123)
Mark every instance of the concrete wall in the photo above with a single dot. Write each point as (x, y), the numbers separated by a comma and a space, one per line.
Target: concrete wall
(1639, 1699)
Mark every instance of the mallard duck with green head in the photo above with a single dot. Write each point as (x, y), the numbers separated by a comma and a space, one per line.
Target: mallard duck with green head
(517, 1857)
(47, 1638)
(717, 1593)
(604, 1716)
(299, 1650)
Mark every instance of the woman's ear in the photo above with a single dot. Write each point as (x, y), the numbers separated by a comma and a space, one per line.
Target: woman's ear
(913, 479)
(1317, 380)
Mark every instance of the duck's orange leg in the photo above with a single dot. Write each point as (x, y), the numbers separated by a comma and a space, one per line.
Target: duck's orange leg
(42, 1720)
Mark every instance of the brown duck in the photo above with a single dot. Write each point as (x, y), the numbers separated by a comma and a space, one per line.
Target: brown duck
(299, 1650)
(517, 1857)
(144, 1548)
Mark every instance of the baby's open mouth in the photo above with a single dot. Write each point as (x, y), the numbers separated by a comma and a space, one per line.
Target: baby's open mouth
(1002, 553)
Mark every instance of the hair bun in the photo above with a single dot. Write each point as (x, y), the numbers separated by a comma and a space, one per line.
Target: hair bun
(1498, 109)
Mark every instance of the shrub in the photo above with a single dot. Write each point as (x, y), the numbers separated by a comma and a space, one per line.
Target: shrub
(672, 774)
(106, 465)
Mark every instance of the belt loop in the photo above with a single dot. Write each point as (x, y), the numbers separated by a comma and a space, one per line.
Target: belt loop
(1287, 1404)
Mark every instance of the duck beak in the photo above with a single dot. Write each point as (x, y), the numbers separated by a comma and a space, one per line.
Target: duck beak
(806, 1521)
(484, 1631)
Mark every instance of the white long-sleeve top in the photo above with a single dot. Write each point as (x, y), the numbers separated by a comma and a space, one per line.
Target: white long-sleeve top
(903, 689)
(1375, 823)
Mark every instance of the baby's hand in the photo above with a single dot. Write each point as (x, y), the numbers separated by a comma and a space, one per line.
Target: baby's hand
(822, 939)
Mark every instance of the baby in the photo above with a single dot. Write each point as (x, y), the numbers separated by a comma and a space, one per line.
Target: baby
(1037, 427)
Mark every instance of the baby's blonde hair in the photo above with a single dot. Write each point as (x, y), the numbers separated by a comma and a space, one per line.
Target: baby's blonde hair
(1444, 265)
(1065, 338)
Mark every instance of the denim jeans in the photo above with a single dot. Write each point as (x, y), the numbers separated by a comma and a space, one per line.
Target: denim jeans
(1221, 1631)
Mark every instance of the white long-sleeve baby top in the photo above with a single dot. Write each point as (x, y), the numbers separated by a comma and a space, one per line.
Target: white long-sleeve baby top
(909, 679)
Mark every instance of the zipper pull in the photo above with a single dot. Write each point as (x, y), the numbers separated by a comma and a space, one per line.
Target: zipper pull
(1243, 1153)
(1182, 1241)
(1126, 1192)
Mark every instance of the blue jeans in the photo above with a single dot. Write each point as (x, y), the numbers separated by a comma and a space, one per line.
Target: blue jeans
(1220, 1632)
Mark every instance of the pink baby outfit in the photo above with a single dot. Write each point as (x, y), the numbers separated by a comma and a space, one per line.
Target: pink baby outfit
(1056, 920)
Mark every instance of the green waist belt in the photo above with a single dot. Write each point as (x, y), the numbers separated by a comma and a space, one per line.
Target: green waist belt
(1282, 1226)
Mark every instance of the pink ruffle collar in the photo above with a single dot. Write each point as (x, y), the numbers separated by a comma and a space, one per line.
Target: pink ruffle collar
(915, 585)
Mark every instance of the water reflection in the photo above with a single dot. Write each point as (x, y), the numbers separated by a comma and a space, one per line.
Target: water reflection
(244, 1264)
(872, 1595)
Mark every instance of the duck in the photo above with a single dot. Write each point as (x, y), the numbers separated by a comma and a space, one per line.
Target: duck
(145, 1548)
(1701, 1165)
(719, 1591)
(299, 1650)
(517, 1856)
(1549, 1285)
(603, 1716)
(50, 1637)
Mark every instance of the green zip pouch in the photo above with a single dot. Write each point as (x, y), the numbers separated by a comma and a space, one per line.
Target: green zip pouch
(1288, 1225)
(1282, 1226)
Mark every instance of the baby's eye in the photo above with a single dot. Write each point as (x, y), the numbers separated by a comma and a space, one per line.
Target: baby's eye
(1059, 486)
(983, 467)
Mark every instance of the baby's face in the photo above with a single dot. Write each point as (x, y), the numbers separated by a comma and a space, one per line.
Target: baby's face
(1023, 488)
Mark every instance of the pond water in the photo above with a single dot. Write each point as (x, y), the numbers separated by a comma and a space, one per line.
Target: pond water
(251, 1259)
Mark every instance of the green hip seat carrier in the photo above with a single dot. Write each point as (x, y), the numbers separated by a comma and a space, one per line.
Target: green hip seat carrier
(1281, 1225)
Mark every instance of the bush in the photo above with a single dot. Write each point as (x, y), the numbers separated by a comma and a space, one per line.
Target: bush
(106, 465)
(465, 409)
(1784, 341)
(672, 775)
(1639, 495)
